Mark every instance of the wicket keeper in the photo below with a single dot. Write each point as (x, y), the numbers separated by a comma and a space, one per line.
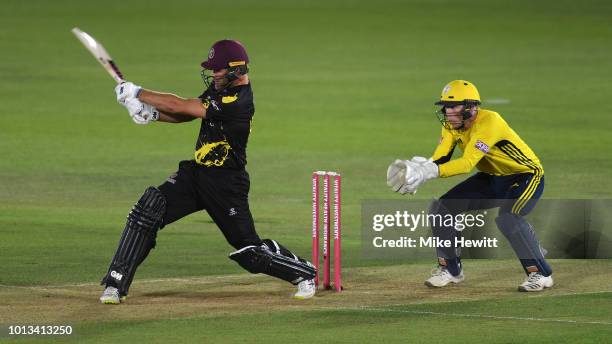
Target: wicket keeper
(510, 177)
(215, 180)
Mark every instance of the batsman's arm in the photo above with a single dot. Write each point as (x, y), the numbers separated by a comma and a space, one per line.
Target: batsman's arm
(174, 118)
(173, 106)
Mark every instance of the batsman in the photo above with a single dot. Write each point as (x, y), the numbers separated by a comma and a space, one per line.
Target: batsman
(510, 177)
(215, 179)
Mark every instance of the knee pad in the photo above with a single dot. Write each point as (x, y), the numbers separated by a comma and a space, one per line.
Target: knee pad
(261, 259)
(147, 214)
(277, 248)
(150, 208)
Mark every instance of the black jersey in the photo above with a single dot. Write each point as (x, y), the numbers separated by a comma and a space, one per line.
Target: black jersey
(224, 132)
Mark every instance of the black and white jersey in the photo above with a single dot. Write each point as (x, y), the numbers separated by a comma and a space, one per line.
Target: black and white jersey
(224, 132)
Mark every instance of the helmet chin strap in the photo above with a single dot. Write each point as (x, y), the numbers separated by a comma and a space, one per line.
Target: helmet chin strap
(466, 114)
(209, 80)
(234, 73)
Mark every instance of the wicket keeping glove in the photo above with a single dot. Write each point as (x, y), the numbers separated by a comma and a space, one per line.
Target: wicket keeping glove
(141, 113)
(126, 90)
(423, 170)
(406, 176)
(396, 176)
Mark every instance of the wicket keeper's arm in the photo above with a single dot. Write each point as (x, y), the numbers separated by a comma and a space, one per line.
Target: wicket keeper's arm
(445, 149)
(487, 134)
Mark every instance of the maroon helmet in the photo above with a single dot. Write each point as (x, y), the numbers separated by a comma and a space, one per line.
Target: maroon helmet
(225, 54)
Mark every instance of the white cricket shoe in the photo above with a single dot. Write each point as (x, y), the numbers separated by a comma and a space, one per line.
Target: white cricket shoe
(536, 282)
(440, 277)
(306, 290)
(111, 296)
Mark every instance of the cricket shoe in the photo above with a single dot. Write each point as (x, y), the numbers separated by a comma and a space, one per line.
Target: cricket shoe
(306, 290)
(441, 277)
(111, 296)
(536, 282)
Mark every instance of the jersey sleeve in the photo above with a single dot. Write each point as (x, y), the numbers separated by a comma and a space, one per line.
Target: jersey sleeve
(480, 142)
(445, 148)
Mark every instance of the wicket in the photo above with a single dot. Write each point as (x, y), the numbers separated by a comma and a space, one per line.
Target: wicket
(326, 175)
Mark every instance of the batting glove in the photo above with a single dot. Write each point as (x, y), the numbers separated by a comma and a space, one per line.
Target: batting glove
(126, 90)
(141, 113)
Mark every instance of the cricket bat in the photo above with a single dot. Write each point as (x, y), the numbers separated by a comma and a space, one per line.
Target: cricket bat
(98, 51)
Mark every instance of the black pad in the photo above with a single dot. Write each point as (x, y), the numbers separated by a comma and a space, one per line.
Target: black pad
(260, 259)
(137, 239)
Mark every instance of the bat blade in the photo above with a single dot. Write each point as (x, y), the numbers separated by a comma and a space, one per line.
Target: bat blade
(98, 51)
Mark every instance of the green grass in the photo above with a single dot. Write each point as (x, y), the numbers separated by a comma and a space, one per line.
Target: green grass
(388, 303)
(411, 324)
(446, 323)
(339, 85)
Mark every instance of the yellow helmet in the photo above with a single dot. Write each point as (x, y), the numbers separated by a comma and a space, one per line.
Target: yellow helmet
(459, 92)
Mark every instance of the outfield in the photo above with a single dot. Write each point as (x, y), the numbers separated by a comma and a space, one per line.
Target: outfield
(343, 85)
